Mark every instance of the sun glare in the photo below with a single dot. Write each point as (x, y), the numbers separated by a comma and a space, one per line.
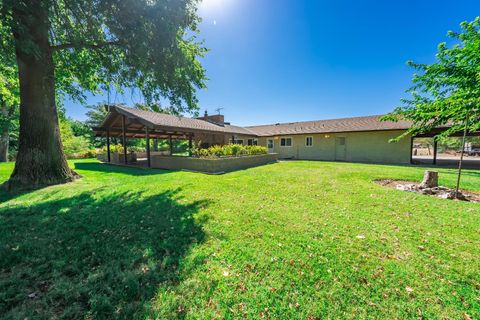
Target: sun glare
(212, 5)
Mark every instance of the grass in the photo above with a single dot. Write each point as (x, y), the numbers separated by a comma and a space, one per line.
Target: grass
(293, 240)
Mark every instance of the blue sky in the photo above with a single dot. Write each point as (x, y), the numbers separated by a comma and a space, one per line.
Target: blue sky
(291, 60)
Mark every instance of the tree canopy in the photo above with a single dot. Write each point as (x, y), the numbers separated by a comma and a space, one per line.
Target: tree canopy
(67, 47)
(447, 92)
(147, 44)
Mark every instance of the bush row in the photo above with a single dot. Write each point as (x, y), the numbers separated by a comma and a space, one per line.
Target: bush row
(230, 150)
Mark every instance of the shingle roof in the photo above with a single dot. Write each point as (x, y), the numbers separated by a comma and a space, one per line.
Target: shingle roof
(238, 130)
(182, 123)
(168, 120)
(357, 124)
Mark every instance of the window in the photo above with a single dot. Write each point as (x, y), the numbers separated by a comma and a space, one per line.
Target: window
(270, 143)
(252, 142)
(341, 141)
(236, 141)
(286, 142)
(309, 141)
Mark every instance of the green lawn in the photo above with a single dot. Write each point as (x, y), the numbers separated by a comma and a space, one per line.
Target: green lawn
(293, 240)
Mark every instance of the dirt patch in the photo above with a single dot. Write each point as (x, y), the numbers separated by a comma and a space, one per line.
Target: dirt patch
(439, 192)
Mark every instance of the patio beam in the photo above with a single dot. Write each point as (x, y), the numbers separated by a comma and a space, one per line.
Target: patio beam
(147, 136)
(190, 145)
(124, 140)
(140, 132)
(108, 146)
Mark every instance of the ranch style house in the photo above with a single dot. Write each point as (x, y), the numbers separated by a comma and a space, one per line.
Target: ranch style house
(359, 139)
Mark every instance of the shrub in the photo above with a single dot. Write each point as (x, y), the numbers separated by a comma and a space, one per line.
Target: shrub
(118, 148)
(87, 154)
(135, 149)
(230, 150)
(114, 148)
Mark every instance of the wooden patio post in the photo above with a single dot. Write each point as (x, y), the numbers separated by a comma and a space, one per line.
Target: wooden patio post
(124, 140)
(190, 145)
(171, 145)
(147, 136)
(108, 146)
(435, 148)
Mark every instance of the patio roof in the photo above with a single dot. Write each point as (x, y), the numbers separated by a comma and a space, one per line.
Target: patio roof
(160, 125)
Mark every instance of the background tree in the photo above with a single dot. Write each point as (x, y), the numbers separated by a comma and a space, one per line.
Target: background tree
(9, 107)
(157, 107)
(96, 114)
(447, 92)
(63, 47)
(9, 94)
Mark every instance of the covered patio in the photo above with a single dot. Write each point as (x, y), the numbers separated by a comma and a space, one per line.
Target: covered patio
(128, 123)
(435, 157)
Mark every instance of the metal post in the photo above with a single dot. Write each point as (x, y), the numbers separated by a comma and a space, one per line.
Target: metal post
(435, 148)
(124, 140)
(171, 145)
(411, 150)
(147, 136)
(461, 156)
(108, 146)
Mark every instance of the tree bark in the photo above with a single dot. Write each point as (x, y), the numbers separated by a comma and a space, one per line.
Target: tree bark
(430, 180)
(40, 159)
(4, 135)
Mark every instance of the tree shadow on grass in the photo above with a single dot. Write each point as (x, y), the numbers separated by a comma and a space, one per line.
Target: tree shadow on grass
(6, 195)
(93, 257)
(111, 168)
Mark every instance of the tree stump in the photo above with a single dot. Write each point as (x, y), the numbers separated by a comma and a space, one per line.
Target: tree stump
(430, 180)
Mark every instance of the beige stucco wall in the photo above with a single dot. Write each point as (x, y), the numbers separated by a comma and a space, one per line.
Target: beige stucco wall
(373, 147)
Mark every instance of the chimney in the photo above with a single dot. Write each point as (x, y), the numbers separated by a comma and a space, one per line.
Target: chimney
(216, 119)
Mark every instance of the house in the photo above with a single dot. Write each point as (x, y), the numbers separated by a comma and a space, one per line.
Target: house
(359, 139)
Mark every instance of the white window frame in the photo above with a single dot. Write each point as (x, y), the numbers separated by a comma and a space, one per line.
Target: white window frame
(285, 146)
(306, 141)
(254, 142)
(273, 143)
(236, 141)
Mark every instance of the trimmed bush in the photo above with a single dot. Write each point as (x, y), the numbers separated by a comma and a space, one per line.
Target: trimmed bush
(230, 150)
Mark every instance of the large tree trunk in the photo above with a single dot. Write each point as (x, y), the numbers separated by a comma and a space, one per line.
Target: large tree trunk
(40, 159)
(4, 135)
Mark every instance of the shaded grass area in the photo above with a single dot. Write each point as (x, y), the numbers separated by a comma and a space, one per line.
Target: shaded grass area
(96, 252)
(293, 240)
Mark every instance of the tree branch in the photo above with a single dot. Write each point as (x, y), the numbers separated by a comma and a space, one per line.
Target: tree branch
(79, 45)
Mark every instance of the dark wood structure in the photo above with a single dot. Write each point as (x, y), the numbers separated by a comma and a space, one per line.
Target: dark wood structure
(127, 123)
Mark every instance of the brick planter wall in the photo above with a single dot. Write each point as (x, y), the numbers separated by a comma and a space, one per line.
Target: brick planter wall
(117, 158)
(217, 165)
